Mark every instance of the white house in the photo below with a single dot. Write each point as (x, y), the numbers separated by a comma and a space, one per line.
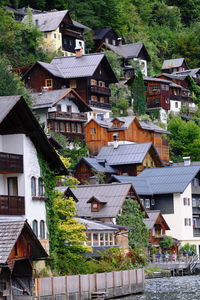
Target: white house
(21, 185)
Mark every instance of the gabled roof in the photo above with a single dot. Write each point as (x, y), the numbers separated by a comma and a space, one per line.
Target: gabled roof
(185, 73)
(127, 121)
(141, 186)
(100, 33)
(79, 25)
(16, 117)
(127, 154)
(113, 194)
(75, 67)
(10, 230)
(153, 217)
(171, 76)
(172, 63)
(48, 21)
(96, 226)
(93, 198)
(129, 50)
(51, 98)
(96, 165)
(169, 180)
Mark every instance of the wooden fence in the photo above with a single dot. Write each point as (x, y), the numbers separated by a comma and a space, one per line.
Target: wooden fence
(81, 287)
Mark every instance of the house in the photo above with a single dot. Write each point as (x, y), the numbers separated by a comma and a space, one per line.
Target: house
(194, 73)
(20, 13)
(125, 130)
(105, 35)
(130, 54)
(19, 247)
(102, 202)
(22, 142)
(89, 75)
(175, 191)
(60, 31)
(61, 111)
(166, 96)
(87, 167)
(174, 65)
(102, 236)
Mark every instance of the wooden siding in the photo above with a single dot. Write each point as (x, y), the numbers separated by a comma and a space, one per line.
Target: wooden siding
(11, 163)
(21, 249)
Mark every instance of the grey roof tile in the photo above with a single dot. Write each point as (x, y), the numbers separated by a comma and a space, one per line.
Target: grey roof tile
(124, 154)
(96, 165)
(172, 63)
(6, 104)
(153, 215)
(96, 226)
(128, 50)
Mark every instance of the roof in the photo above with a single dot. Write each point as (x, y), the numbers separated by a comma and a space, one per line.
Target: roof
(48, 21)
(51, 98)
(113, 195)
(77, 24)
(16, 117)
(75, 67)
(141, 186)
(169, 180)
(154, 79)
(9, 234)
(96, 226)
(129, 50)
(185, 73)
(125, 154)
(127, 121)
(171, 76)
(153, 216)
(97, 165)
(172, 63)
(100, 33)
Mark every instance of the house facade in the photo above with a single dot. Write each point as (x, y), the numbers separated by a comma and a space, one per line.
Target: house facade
(21, 186)
(89, 75)
(125, 130)
(62, 111)
(60, 32)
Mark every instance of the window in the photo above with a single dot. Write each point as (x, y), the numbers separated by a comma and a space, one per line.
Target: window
(194, 202)
(49, 82)
(12, 186)
(45, 35)
(93, 131)
(33, 186)
(42, 229)
(79, 128)
(35, 227)
(95, 239)
(69, 108)
(102, 99)
(93, 82)
(186, 201)
(100, 116)
(115, 137)
(58, 108)
(176, 104)
(40, 187)
(54, 35)
(101, 239)
(94, 98)
(102, 83)
(152, 202)
(73, 127)
(72, 84)
(68, 127)
(147, 203)
(56, 126)
(114, 42)
(62, 127)
(187, 222)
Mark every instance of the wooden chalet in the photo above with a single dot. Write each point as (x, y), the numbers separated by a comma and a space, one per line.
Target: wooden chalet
(62, 111)
(105, 35)
(102, 202)
(60, 32)
(194, 73)
(89, 75)
(19, 247)
(174, 65)
(101, 133)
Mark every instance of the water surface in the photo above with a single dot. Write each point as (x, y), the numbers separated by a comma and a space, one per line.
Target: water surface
(170, 288)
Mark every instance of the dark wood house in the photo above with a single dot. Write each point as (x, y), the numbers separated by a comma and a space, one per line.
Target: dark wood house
(174, 65)
(89, 75)
(105, 35)
(101, 133)
(62, 111)
(19, 247)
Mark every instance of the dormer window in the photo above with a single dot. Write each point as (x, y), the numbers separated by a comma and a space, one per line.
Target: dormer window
(96, 204)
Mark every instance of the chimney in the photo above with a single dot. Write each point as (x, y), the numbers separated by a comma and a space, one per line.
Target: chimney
(78, 51)
(187, 161)
(119, 41)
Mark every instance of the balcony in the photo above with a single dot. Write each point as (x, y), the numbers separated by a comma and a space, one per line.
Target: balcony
(175, 97)
(12, 205)
(11, 163)
(153, 104)
(72, 33)
(72, 136)
(100, 105)
(196, 232)
(67, 116)
(100, 90)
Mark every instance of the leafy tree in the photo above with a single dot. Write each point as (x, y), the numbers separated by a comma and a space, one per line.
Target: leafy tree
(133, 216)
(166, 243)
(139, 94)
(184, 139)
(120, 98)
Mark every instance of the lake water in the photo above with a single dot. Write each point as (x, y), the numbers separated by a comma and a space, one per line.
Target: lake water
(170, 288)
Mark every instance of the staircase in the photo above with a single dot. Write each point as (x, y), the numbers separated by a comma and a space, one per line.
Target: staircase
(193, 263)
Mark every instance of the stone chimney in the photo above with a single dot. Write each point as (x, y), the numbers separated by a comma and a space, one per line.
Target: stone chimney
(187, 161)
(78, 51)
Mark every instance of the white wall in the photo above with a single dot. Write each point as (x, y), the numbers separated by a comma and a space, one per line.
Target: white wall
(175, 221)
(95, 111)
(173, 107)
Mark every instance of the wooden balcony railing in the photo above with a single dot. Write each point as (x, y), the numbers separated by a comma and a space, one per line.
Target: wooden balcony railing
(12, 205)
(100, 105)
(11, 163)
(100, 90)
(67, 116)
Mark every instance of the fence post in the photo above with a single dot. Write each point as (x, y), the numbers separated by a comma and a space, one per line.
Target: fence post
(52, 288)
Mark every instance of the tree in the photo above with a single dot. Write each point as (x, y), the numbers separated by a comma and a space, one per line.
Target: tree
(133, 216)
(166, 243)
(184, 139)
(139, 95)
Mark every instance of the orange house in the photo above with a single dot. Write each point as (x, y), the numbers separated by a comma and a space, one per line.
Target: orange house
(124, 130)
